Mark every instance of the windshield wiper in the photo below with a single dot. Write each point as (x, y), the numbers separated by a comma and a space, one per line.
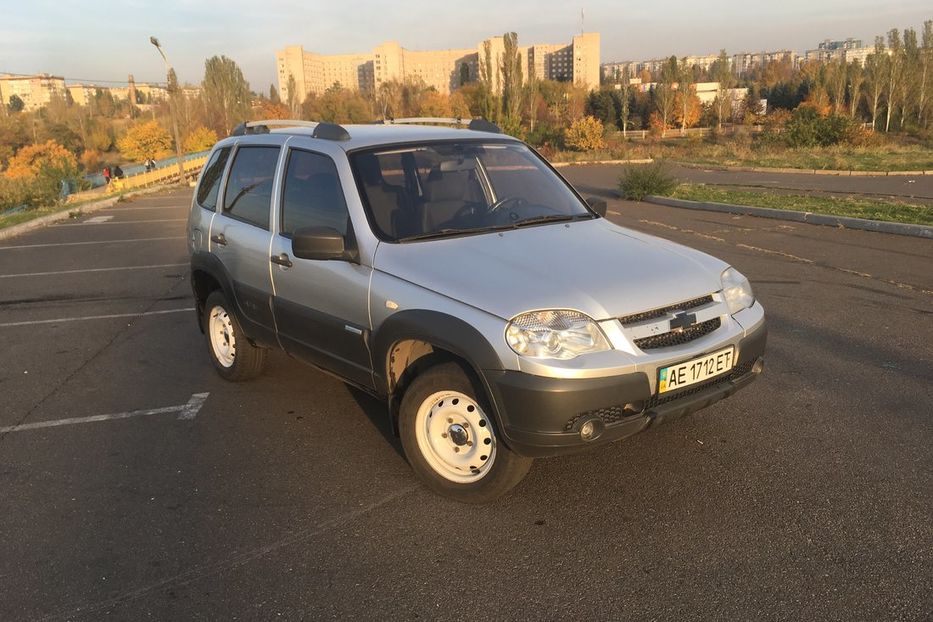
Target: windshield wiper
(549, 218)
(441, 233)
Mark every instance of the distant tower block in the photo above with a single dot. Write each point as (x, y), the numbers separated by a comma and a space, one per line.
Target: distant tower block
(131, 90)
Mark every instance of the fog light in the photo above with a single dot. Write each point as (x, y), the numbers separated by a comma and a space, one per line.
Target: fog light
(759, 366)
(591, 429)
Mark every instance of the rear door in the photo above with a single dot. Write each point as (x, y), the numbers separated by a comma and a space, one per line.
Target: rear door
(240, 235)
(321, 308)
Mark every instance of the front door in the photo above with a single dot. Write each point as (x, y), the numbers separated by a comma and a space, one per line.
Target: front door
(321, 307)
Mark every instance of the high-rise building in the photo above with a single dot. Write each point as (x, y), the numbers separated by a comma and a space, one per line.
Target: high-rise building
(847, 51)
(35, 91)
(444, 70)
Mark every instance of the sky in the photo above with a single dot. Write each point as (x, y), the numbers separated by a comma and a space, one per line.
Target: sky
(91, 41)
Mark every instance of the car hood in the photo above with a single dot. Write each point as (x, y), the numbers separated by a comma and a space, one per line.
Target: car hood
(592, 266)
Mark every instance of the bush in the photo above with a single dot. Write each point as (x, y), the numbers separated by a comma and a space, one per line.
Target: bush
(806, 128)
(641, 180)
(584, 134)
(30, 192)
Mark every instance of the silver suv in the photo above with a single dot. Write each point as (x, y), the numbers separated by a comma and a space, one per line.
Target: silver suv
(458, 277)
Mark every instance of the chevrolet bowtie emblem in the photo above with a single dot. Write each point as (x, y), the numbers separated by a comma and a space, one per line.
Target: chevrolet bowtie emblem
(682, 320)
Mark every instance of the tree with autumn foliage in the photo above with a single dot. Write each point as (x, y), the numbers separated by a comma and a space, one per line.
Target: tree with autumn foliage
(687, 107)
(200, 139)
(145, 140)
(585, 134)
(35, 174)
(32, 160)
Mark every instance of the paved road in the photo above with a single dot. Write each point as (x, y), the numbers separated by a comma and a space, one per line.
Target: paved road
(807, 496)
(914, 189)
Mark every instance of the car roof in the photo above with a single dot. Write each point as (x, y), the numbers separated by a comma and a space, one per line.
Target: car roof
(373, 135)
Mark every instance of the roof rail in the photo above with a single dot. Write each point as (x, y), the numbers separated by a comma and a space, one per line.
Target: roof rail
(326, 131)
(480, 125)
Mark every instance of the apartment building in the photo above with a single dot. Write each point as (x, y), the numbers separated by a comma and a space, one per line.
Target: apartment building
(744, 62)
(35, 91)
(847, 50)
(444, 70)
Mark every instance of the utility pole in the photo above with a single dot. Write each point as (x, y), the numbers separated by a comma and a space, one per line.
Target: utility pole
(172, 86)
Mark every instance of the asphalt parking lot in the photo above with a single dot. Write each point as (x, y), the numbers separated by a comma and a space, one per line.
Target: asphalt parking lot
(138, 485)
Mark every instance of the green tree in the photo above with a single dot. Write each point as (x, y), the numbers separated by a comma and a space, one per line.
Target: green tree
(226, 94)
(926, 68)
(875, 71)
(663, 93)
(293, 96)
(856, 76)
(685, 88)
(511, 72)
(895, 69)
(274, 95)
(464, 73)
(721, 73)
(16, 103)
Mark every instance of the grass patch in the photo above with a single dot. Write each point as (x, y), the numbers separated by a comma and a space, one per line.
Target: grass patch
(879, 154)
(73, 208)
(871, 209)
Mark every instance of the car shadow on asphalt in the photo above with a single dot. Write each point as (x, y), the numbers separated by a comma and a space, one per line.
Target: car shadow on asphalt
(375, 410)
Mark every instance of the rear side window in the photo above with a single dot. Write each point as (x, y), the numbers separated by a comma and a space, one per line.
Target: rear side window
(312, 196)
(249, 188)
(210, 180)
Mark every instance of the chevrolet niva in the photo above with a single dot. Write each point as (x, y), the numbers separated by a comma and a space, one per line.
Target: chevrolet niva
(454, 274)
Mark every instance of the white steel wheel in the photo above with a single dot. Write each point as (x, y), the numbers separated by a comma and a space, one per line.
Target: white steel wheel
(221, 334)
(455, 437)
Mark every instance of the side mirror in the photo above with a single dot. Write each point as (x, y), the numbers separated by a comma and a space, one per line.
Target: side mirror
(318, 243)
(597, 205)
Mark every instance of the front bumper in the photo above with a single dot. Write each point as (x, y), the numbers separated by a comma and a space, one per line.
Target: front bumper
(541, 416)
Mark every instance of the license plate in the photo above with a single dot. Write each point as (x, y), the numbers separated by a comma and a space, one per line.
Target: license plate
(675, 377)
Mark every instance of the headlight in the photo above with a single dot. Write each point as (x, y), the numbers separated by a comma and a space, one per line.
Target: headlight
(559, 334)
(736, 290)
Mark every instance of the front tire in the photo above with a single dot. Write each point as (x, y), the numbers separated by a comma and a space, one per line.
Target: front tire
(233, 356)
(451, 441)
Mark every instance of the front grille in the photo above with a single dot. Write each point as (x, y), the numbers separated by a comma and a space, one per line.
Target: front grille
(738, 372)
(635, 318)
(676, 338)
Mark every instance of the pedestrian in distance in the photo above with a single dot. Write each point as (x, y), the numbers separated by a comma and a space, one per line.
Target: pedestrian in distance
(106, 174)
(117, 172)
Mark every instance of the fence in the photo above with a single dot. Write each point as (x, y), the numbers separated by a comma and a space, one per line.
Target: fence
(192, 167)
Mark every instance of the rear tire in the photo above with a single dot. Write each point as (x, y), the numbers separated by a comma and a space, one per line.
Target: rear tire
(233, 356)
(451, 440)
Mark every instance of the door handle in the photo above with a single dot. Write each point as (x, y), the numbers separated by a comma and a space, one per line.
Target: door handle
(219, 238)
(281, 260)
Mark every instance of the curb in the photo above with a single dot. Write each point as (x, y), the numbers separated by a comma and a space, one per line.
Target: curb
(847, 222)
(64, 214)
(802, 171)
(588, 162)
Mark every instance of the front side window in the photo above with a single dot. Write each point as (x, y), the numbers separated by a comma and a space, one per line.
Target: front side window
(210, 179)
(312, 196)
(456, 188)
(249, 188)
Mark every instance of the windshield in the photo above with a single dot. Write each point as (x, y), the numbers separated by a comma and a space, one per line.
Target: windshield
(441, 189)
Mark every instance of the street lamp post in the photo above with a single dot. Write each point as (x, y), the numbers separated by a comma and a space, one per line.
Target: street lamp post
(172, 88)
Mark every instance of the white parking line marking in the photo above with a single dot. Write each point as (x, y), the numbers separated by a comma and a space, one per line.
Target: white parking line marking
(57, 272)
(49, 244)
(98, 219)
(127, 209)
(118, 222)
(186, 411)
(93, 317)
